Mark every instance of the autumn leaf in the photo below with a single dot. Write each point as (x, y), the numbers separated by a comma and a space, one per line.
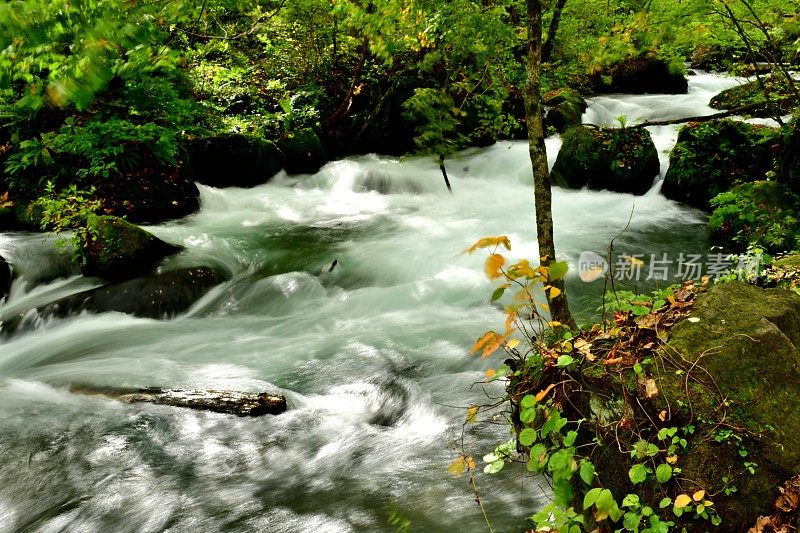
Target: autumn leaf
(493, 264)
(490, 373)
(486, 242)
(555, 292)
(472, 414)
(541, 394)
(480, 343)
(699, 495)
(682, 501)
(513, 343)
(458, 466)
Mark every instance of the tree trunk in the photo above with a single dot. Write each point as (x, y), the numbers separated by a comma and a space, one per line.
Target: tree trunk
(559, 309)
(547, 49)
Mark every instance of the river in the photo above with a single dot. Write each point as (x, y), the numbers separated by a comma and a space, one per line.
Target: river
(372, 356)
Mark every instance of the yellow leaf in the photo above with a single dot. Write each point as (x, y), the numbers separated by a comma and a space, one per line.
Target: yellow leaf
(490, 373)
(493, 345)
(480, 343)
(471, 463)
(493, 264)
(699, 495)
(486, 242)
(682, 501)
(554, 292)
(513, 343)
(541, 394)
(472, 414)
(672, 459)
(662, 416)
(510, 319)
(554, 323)
(457, 467)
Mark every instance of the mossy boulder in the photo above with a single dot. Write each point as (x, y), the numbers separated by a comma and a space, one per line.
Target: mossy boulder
(745, 342)
(118, 250)
(790, 156)
(776, 97)
(565, 108)
(640, 75)
(233, 160)
(303, 151)
(762, 213)
(621, 160)
(710, 157)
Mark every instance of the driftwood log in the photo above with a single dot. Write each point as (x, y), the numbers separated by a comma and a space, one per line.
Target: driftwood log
(218, 401)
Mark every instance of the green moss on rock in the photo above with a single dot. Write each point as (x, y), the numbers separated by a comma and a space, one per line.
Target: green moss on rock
(303, 151)
(566, 107)
(778, 97)
(643, 74)
(117, 250)
(233, 160)
(710, 157)
(621, 160)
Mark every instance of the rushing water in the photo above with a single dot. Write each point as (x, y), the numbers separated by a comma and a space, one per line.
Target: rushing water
(371, 356)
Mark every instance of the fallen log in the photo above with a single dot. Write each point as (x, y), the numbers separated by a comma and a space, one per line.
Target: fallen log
(218, 401)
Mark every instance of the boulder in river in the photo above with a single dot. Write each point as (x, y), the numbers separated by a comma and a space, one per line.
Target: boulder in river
(159, 296)
(303, 151)
(622, 160)
(565, 108)
(218, 401)
(643, 74)
(5, 277)
(776, 97)
(118, 250)
(710, 157)
(233, 160)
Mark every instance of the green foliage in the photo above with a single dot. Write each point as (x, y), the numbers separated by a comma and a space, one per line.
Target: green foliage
(761, 213)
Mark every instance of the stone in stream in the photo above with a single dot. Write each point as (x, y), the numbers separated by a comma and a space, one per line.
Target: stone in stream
(5, 277)
(641, 75)
(233, 160)
(218, 401)
(162, 295)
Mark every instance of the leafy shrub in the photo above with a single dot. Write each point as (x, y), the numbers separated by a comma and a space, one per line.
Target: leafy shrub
(761, 213)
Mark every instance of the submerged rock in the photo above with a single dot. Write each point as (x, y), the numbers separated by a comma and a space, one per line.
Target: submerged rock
(621, 160)
(160, 296)
(639, 75)
(233, 160)
(119, 250)
(5, 277)
(218, 401)
(710, 157)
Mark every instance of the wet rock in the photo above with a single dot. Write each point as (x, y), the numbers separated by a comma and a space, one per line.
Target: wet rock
(566, 107)
(746, 340)
(710, 157)
(119, 250)
(641, 75)
(778, 99)
(621, 160)
(233, 160)
(5, 277)
(303, 152)
(160, 296)
(218, 401)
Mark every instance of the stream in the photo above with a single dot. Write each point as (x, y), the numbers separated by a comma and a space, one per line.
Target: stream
(372, 356)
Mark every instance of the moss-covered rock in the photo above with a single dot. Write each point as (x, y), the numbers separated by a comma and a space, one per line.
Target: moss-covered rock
(566, 107)
(790, 156)
(303, 151)
(745, 343)
(643, 74)
(775, 97)
(762, 213)
(117, 250)
(233, 160)
(710, 157)
(622, 160)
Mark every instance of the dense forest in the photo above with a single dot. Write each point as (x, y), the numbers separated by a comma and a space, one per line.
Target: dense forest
(188, 186)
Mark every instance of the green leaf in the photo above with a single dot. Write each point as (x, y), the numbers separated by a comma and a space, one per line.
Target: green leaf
(663, 473)
(558, 269)
(528, 401)
(528, 436)
(637, 473)
(587, 472)
(630, 500)
(527, 416)
(498, 293)
(565, 360)
(591, 497)
(538, 458)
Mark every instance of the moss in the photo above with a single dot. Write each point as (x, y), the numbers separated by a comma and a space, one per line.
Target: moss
(710, 157)
(643, 74)
(778, 97)
(622, 160)
(303, 152)
(119, 250)
(233, 160)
